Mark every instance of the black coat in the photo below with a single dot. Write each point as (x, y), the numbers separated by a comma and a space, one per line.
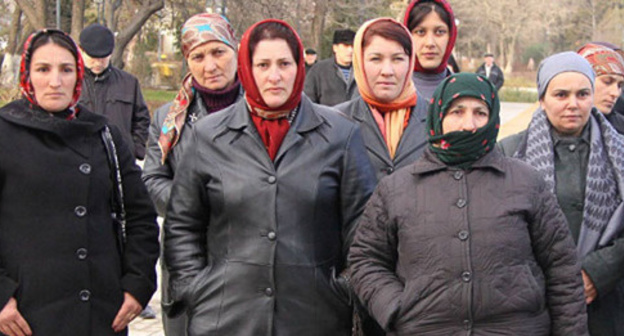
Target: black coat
(485, 251)
(58, 245)
(117, 95)
(325, 84)
(496, 75)
(252, 244)
(412, 143)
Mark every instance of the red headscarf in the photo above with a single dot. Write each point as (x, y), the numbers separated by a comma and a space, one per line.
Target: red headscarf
(272, 130)
(452, 35)
(26, 85)
(245, 74)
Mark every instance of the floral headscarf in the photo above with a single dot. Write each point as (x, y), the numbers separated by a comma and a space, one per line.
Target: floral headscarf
(462, 148)
(26, 86)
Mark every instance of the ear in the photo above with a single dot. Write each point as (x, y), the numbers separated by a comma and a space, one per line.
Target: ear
(334, 48)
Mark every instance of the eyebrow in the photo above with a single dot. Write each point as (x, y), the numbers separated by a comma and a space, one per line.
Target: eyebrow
(48, 63)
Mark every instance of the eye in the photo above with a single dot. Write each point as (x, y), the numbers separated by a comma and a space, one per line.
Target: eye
(441, 32)
(285, 64)
(262, 65)
(218, 52)
(42, 69)
(419, 31)
(583, 94)
(483, 113)
(560, 94)
(399, 58)
(197, 57)
(68, 70)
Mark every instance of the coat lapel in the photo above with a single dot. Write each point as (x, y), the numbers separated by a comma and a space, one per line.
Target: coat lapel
(414, 133)
(306, 120)
(370, 132)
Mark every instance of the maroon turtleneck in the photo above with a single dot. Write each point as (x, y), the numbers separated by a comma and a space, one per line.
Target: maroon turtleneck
(216, 100)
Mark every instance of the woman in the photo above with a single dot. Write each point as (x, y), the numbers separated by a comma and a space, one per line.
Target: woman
(264, 203)
(210, 49)
(432, 24)
(391, 116)
(579, 154)
(66, 267)
(608, 66)
(466, 241)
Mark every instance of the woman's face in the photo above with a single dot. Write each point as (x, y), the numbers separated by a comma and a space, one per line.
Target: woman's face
(213, 65)
(274, 70)
(431, 37)
(386, 66)
(568, 101)
(465, 114)
(53, 76)
(608, 89)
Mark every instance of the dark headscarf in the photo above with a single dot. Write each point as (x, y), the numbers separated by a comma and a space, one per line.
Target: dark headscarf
(26, 87)
(452, 34)
(462, 148)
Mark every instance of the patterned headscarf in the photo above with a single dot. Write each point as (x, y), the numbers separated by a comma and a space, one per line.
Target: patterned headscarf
(604, 61)
(245, 73)
(197, 30)
(452, 34)
(393, 117)
(26, 86)
(462, 148)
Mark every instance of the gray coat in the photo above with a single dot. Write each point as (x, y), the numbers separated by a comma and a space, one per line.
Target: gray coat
(253, 245)
(411, 145)
(325, 84)
(487, 251)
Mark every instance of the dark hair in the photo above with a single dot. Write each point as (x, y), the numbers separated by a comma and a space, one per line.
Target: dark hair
(420, 11)
(310, 51)
(389, 31)
(55, 37)
(274, 31)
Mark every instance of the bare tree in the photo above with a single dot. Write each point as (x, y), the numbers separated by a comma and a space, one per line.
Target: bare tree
(35, 12)
(77, 19)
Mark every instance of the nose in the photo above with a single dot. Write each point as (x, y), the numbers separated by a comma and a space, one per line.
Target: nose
(468, 122)
(210, 65)
(55, 78)
(386, 68)
(274, 75)
(429, 39)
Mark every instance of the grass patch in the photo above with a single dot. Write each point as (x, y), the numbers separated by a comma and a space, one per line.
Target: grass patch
(517, 95)
(156, 98)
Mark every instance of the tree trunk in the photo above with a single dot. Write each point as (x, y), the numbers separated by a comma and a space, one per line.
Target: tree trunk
(77, 21)
(14, 31)
(123, 38)
(35, 12)
(318, 24)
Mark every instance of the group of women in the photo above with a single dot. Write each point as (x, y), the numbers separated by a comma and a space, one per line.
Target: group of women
(269, 229)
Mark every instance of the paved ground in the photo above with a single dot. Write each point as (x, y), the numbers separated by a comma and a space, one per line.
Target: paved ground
(514, 118)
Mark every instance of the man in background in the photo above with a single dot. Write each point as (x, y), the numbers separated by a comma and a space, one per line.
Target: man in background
(490, 70)
(330, 82)
(112, 92)
(310, 58)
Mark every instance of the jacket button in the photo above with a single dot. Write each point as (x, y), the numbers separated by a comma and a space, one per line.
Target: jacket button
(268, 292)
(81, 253)
(389, 170)
(85, 168)
(463, 235)
(272, 179)
(461, 203)
(85, 295)
(80, 211)
(572, 148)
(466, 276)
(271, 235)
(458, 175)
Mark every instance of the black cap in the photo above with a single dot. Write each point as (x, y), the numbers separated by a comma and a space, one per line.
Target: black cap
(310, 51)
(97, 41)
(344, 36)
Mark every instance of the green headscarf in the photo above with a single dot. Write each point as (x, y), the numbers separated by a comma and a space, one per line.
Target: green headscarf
(462, 148)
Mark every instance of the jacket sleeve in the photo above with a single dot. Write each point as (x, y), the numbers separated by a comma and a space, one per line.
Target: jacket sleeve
(500, 79)
(605, 266)
(356, 186)
(311, 86)
(555, 252)
(141, 249)
(186, 226)
(140, 122)
(373, 259)
(158, 177)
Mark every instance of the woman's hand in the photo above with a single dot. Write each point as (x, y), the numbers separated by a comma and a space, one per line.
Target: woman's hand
(12, 323)
(590, 291)
(130, 309)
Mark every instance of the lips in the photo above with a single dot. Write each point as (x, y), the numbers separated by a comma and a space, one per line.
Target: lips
(430, 55)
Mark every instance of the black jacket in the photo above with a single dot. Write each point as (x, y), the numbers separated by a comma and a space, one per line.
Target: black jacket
(117, 95)
(486, 251)
(411, 145)
(326, 85)
(496, 75)
(253, 245)
(58, 244)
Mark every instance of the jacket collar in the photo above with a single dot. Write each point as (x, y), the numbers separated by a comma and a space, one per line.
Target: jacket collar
(429, 162)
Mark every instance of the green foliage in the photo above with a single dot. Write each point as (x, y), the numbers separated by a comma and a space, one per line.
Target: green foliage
(517, 95)
(537, 52)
